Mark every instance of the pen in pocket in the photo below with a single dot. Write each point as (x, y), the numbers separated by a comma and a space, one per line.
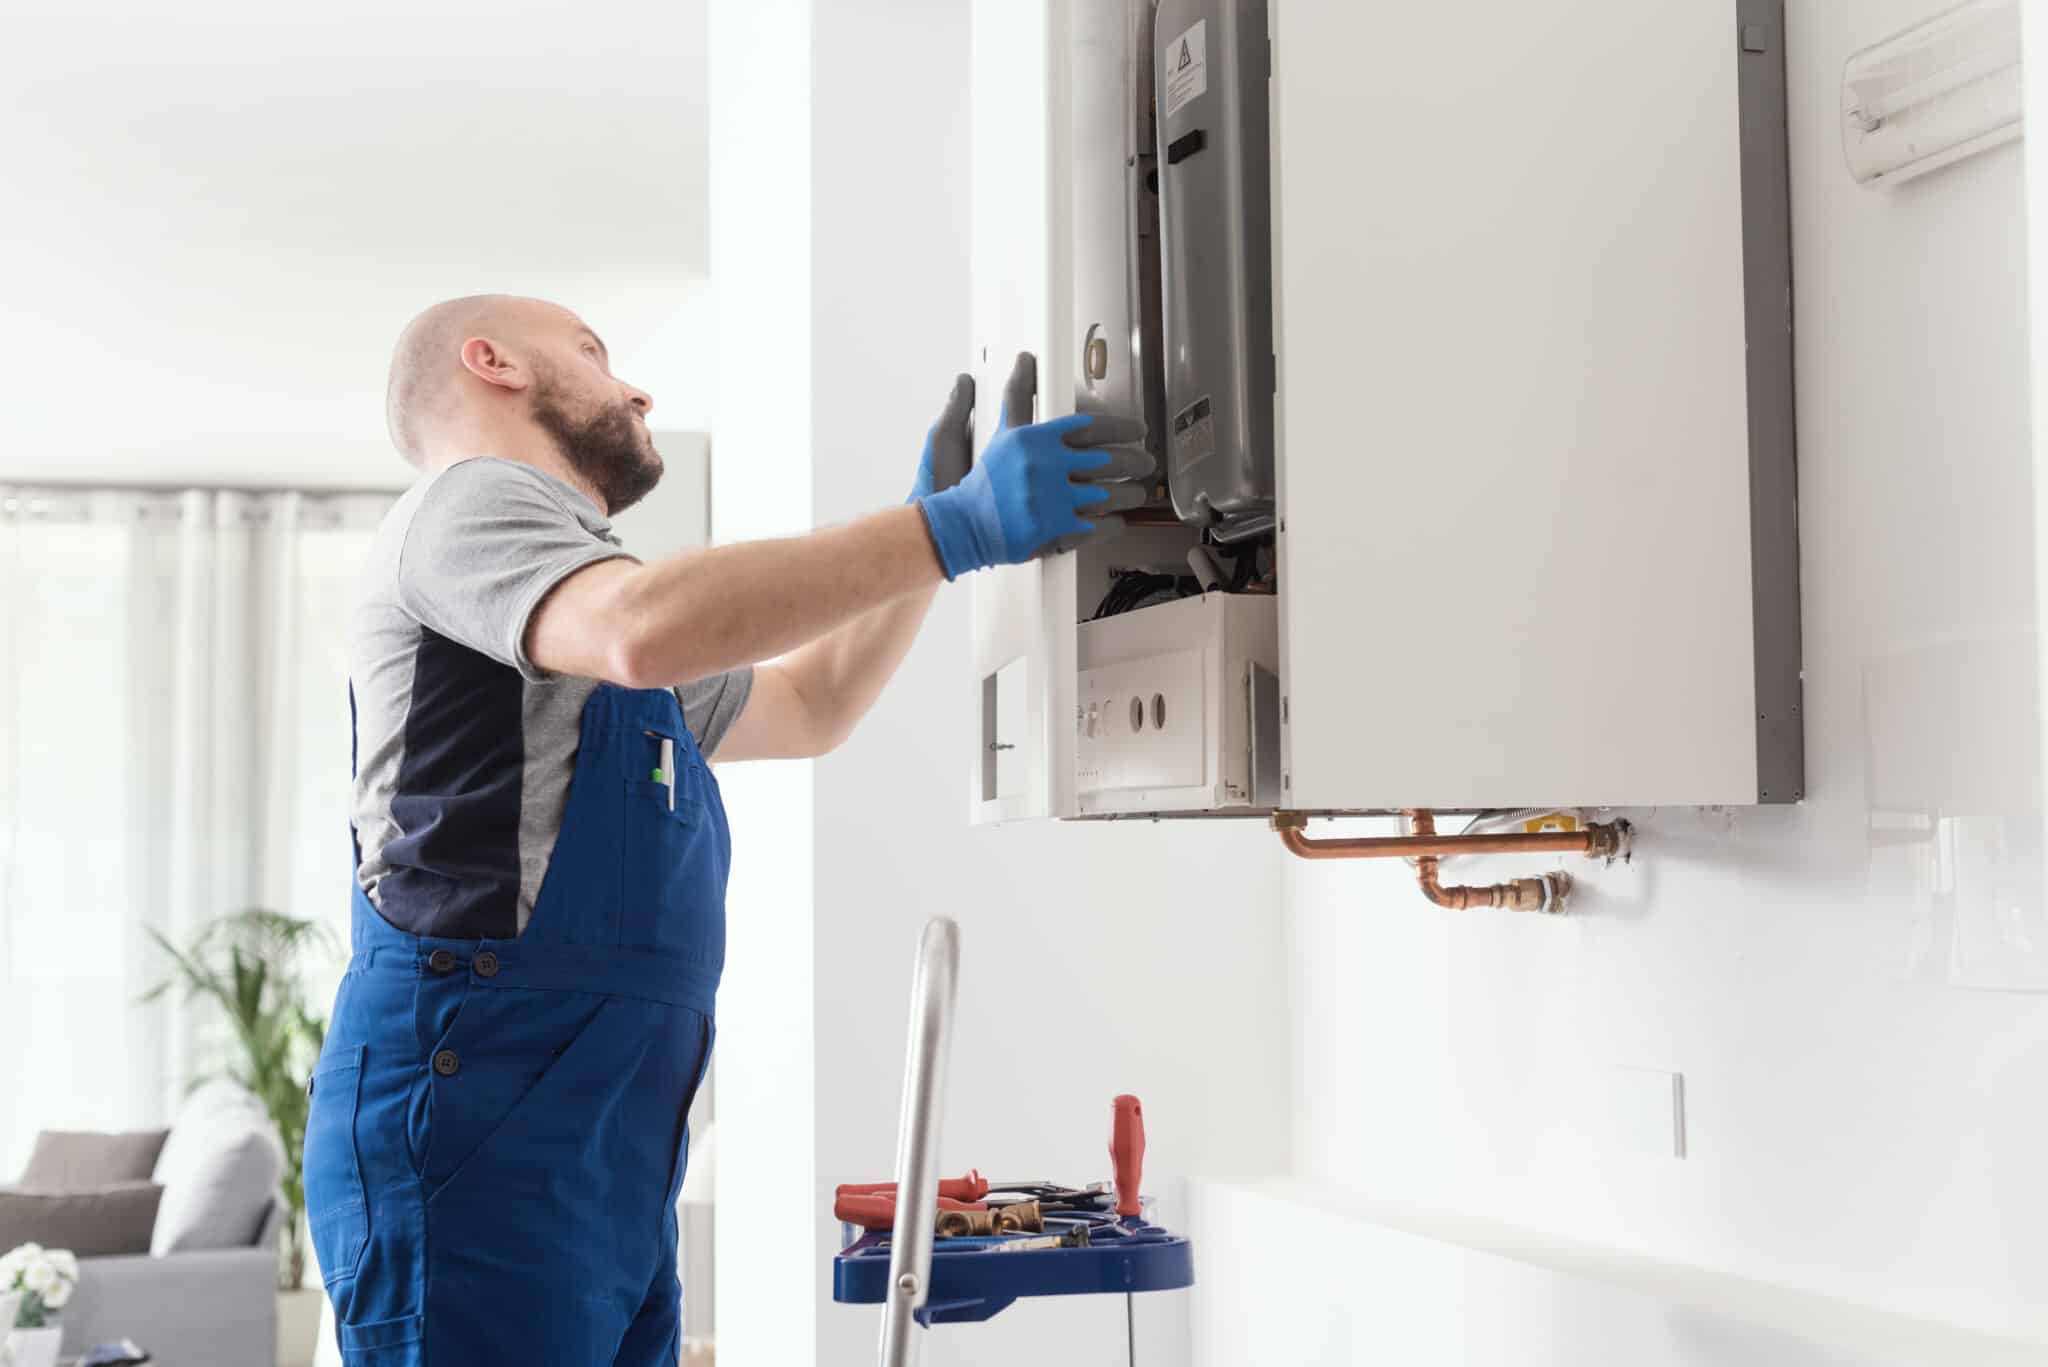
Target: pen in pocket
(665, 765)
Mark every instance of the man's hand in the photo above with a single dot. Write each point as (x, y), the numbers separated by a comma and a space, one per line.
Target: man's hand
(1127, 461)
(949, 446)
(1034, 485)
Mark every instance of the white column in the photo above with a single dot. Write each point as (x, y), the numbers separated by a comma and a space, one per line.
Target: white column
(759, 94)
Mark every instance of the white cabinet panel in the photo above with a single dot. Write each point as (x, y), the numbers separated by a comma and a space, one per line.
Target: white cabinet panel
(1144, 725)
(1166, 715)
(1023, 657)
(1023, 647)
(1514, 421)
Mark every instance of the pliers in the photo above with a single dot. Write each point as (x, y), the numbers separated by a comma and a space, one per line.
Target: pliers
(872, 1205)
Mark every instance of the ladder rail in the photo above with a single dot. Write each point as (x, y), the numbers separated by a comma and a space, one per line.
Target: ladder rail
(917, 1138)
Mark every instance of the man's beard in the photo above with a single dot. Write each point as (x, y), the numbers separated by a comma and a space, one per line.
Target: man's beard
(610, 448)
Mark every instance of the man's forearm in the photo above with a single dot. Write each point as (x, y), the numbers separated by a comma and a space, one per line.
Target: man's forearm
(839, 676)
(693, 615)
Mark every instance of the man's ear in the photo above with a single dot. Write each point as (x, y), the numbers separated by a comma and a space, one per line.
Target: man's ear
(493, 365)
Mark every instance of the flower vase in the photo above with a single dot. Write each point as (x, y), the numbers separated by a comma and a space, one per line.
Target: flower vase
(35, 1347)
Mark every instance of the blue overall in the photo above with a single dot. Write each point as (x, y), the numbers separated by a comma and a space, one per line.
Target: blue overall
(496, 1135)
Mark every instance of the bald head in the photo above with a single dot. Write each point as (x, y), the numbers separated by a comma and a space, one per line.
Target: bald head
(525, 380)
(427, 363)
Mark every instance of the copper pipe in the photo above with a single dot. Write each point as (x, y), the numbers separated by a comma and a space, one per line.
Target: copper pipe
(1597, 840)
(1546, 892)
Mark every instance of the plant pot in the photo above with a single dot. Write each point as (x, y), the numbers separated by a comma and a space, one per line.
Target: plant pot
(35, 1347)
(298, 1326)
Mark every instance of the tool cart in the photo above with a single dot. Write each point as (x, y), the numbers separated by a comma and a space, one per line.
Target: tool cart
(962, 1250)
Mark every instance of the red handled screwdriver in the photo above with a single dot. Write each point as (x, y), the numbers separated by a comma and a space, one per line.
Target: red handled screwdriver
(1127, 1154)
(1127, 1162)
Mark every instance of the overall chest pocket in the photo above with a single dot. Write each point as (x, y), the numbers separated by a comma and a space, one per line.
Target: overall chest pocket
(673, 868)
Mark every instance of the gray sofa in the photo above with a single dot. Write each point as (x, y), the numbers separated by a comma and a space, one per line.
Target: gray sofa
(211, 1307)
(205, 1293)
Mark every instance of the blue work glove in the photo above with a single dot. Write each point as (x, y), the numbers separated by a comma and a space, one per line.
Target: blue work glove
(1038, 487)
(1128, 467)
(949, 446)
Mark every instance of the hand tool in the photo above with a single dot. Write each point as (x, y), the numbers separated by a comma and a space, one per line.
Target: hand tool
(976, 1189)
(879, 1211)
(1052, 1197)
(1076, 1237)
(972, 1187)
(1127, 1162)
(1127, 1154)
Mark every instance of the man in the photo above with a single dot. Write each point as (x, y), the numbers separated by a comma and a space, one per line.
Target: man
(495, 1134)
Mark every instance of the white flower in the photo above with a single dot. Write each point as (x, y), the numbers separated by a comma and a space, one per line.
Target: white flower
(10, 1272)
(66, 1263)
(41, 1278)
(12, 1264)
(57, 1295)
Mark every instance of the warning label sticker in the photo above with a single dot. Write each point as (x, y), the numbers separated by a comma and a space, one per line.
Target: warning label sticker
(1185, 65)
(1194, 435)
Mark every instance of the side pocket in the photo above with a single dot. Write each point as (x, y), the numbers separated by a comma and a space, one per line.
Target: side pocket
(708, 1034)
(336, 1210)
(368, 1338)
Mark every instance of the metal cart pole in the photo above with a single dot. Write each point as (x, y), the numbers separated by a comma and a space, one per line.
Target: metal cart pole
(917, 1138)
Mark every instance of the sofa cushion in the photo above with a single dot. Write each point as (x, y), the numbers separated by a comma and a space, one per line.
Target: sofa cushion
(113, 1220)
(74, 1160)
(220, 1171)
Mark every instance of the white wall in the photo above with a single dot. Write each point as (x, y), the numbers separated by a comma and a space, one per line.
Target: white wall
(1860, 1122)
(1343, 1280)
(759, 99)
(1095, 960)
(220, 215)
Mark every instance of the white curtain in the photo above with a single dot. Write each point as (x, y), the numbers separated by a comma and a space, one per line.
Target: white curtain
(173, 746)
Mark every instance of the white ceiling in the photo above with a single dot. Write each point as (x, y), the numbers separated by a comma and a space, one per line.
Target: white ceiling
(213, 223)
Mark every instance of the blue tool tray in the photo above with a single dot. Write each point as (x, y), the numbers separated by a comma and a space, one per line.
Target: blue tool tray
(972, 1280)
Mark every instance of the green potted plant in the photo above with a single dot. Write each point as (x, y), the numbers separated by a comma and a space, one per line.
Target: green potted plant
(251, 966)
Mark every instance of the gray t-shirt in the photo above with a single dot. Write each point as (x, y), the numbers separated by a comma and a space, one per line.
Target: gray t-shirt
(464, 747)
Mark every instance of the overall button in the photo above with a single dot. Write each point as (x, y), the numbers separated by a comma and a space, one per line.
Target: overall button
(445, 1063)
(441, 960)
(485, 964)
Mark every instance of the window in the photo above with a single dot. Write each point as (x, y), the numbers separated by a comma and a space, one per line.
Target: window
(174, 744)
